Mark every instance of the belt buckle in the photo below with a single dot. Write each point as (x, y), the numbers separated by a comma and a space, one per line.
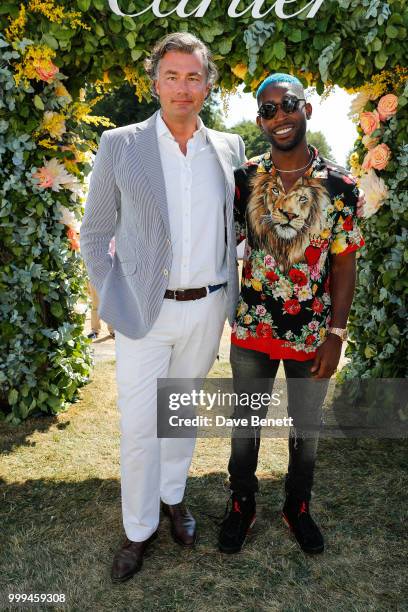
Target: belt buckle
(176, 291)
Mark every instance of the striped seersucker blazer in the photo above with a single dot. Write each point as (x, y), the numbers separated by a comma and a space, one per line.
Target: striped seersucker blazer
(127, 199)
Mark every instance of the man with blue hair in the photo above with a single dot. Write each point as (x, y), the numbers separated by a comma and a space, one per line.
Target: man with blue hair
(297, 212)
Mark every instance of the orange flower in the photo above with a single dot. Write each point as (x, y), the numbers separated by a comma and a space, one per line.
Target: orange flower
(387, 106)
(369, 142)
(47, 71)
(377, 158)
(369, 122)
(73, 239)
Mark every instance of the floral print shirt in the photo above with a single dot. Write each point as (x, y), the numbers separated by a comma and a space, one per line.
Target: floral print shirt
(284, 305)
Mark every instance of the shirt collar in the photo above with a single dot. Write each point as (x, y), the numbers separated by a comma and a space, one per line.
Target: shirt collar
(163, 130)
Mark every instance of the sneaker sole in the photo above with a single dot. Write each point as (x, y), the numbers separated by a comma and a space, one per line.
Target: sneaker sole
(310, 551)
(236, 549)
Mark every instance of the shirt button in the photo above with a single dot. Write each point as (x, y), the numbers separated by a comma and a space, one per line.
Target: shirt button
(165, 272)
(281, 268)
(168, 241)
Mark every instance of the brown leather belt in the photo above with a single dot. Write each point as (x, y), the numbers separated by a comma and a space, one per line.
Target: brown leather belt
(183, 295)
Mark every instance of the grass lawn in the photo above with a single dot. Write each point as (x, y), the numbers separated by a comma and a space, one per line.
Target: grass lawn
(60, 522)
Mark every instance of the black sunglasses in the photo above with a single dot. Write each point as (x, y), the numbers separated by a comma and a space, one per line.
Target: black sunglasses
(288, 105)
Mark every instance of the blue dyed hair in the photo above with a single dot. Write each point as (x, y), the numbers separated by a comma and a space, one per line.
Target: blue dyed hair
(278, 77)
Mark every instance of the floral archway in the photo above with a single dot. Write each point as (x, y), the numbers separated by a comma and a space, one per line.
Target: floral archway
(56, 62)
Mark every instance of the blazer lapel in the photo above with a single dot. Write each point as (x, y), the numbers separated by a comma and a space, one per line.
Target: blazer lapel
(149, 157)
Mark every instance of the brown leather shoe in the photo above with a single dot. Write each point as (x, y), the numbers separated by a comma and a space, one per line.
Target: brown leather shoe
(129, 559)
(183, 525)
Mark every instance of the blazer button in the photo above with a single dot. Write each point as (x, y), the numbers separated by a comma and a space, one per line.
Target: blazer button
(165, 272)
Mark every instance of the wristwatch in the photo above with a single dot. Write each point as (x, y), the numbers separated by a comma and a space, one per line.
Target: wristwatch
(339, 331)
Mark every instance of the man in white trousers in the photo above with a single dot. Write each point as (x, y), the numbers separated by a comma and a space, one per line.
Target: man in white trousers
(165, 189)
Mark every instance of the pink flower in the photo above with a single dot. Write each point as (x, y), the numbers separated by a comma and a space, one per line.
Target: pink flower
(260, 310)
(45, 178)
(369, 122)
(377, 158)
(269, 261)
(47, 71)
(387, 106)
(54, 175)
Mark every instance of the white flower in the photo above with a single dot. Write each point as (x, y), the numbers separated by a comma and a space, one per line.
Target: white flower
(375, 191)
(303, 293)
(357, 104)
(68, 218)
(80, 308)
(54, 175)
(282, 289)
(241, 332)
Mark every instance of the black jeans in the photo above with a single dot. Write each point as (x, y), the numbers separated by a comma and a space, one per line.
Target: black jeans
(254, 372)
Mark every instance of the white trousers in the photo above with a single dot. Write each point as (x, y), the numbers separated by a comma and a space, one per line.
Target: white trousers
(183, 343)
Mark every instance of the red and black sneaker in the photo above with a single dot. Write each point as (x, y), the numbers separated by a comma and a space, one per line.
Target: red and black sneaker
(237, 522)
(296, 515)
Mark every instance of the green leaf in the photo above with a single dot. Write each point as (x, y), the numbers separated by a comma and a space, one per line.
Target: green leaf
(12, 397)
(369, 352)
(391, 31)
(9, 9)
(279, 49)
(380, 60)
(38, 103)
(49, 40)
(99, 31)
(376, 44)
(56, 309)
(394, 331)
(84, 5)
(131, 39)
(136, 53)
(129, 23)
(114, 26)
(295, 35)
(225, 46)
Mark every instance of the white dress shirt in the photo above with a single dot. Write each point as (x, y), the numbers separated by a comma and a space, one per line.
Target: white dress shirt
(195, 190)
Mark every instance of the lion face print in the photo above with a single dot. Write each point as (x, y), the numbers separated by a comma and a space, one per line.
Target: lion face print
(283, 223)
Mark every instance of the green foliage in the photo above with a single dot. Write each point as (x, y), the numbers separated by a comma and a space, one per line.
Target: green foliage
(318, 140)
(123, 108)
(345, 43)
(255, 141)
(44, 356)
(378, 321)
